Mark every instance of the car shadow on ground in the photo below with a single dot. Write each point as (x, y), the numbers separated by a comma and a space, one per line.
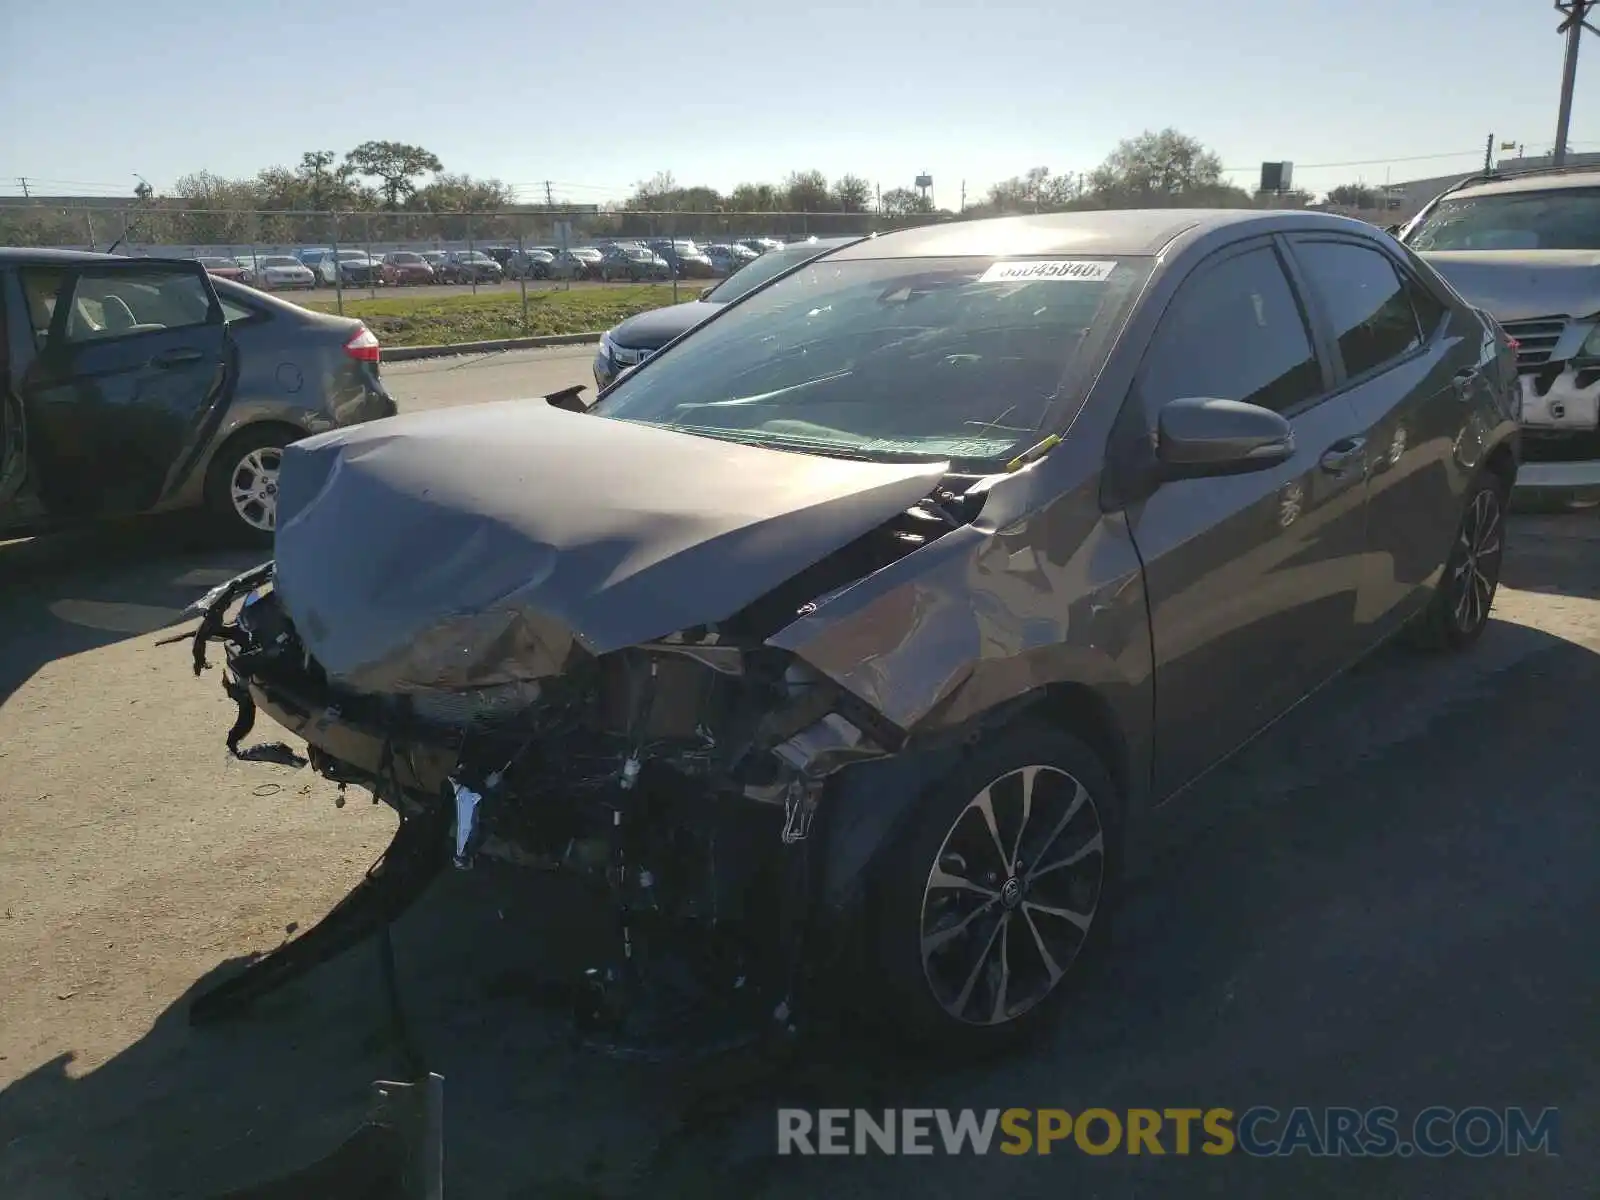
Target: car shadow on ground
(64, 593)
(1384, 901)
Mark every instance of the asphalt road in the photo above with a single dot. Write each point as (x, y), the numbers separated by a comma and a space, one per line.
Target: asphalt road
(1390, 899)
(503, 375)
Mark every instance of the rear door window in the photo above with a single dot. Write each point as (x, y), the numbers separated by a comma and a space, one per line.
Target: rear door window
(123, 303)
(1235, 331)
(1366, 303)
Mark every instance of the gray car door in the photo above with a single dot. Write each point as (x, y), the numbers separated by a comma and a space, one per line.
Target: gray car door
(1409, 367)
(1252, 579)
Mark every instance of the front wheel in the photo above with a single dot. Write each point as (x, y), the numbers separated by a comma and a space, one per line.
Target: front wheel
(1003, 881)
(242, 485)
(1458, 613)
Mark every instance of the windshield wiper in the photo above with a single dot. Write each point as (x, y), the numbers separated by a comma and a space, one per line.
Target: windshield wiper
(792, 441)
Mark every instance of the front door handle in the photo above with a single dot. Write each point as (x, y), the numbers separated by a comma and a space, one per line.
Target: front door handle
(1464, 379)
(176, 358)
(1338, 458)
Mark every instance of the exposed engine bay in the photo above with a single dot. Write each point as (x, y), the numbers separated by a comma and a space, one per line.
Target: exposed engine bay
(681, 777)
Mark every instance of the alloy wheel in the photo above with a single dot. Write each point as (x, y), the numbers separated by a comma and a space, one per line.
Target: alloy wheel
(253, 487)
(1012, 895)
(1475, 565)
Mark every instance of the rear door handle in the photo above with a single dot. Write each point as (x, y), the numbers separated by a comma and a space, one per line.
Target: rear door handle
(1338, 458)
(176, 358)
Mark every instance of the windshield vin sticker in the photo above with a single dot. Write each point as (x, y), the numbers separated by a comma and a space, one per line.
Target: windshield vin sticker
(1052, 268)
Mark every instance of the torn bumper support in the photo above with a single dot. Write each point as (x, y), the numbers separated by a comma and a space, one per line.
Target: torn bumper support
(415, 856)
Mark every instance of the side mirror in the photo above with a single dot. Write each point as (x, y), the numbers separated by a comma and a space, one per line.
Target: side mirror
(1201, 437)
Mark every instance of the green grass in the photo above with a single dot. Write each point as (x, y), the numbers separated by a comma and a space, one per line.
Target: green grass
(422, 320)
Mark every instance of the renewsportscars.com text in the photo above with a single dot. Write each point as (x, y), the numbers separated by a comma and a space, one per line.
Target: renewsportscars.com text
(1260, 1132)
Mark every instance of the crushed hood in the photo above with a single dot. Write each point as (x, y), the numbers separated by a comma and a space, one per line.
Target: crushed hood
(1518, 285)
(474, 546)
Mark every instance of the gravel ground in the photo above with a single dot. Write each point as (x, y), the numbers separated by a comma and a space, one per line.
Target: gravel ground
(1389, 899)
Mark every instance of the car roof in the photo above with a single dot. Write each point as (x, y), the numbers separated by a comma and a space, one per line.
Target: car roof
(23, 255)
(1109, 232)
(1535, 182)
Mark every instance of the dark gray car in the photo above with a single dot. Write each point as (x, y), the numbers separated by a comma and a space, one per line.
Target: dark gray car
(142, 385)
(855, 637)
(637, 338)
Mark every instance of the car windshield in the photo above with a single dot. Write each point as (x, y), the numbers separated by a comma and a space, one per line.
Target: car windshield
(1560, 219)
(758, 270)
(475, 256)
(959, 358)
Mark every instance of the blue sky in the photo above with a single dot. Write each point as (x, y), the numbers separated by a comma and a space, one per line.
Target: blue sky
(595, 97)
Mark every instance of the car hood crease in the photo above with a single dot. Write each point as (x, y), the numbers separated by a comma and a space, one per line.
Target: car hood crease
(474, 546)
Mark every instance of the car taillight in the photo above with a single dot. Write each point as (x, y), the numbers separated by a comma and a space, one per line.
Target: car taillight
(363, 346)
(1513, 343)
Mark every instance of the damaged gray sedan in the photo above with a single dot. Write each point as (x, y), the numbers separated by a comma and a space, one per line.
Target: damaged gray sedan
(855, 636)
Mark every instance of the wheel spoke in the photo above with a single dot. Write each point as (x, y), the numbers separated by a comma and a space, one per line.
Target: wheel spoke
(1079, 795)
(1029, 774)
(977, 969)
(933, 942)
(1094, 845)
(1081, 920)
(985, 805)
(998, 1012)
(940, 878)
(1045, 956)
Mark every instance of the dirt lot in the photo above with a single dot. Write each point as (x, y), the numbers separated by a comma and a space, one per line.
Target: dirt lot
(1391, 899)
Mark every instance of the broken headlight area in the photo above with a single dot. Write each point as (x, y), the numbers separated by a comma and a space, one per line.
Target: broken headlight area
(680, 778)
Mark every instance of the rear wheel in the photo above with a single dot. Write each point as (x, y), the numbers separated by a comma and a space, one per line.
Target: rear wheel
(242, 484)
(1459, 611)
(1000, 886)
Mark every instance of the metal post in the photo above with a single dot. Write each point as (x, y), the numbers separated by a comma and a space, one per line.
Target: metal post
(372, 286)
(522, 280)
(338, 275)
(677, 263)
(471, 266)
(1576, 11)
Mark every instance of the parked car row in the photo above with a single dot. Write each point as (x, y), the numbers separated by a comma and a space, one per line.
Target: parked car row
(613, 261)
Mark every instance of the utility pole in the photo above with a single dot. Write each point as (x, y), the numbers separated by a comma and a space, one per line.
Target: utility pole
(878, 189)
(1488, 155)
(23, 180)
(548, 202)
(1576, 13)
(963, 195)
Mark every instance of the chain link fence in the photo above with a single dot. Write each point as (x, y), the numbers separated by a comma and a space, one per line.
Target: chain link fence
(505, 237)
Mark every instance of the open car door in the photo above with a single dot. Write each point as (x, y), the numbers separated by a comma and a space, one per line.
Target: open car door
(131, 380)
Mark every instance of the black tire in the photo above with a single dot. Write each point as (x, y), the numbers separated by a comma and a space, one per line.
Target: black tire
(1458, 612)
(266, 443)
(921, 1000)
